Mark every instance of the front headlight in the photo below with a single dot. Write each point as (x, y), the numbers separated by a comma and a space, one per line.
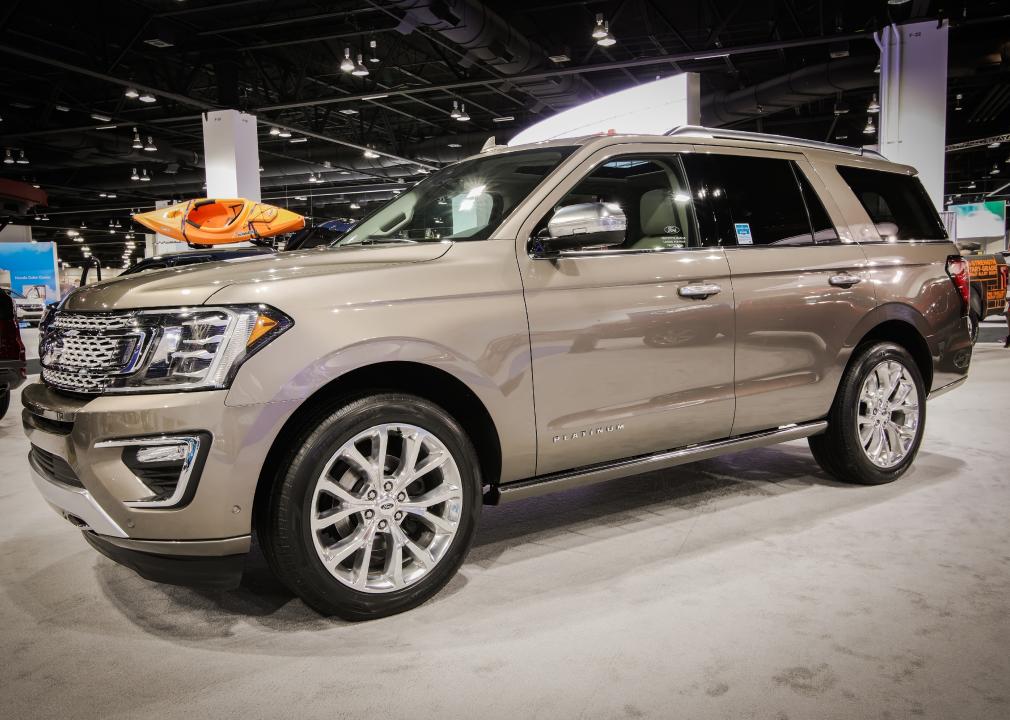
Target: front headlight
(194, 348)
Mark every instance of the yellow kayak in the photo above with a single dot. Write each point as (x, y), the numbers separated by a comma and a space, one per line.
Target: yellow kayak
(216, 221)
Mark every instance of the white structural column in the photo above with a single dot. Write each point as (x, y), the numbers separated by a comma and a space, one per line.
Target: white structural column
(913, 100)
(231, 151)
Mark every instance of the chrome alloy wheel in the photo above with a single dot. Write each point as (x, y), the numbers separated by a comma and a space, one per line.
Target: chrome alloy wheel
(887, 420)
(386, 508)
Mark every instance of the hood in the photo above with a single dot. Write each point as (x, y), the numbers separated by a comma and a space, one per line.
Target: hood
(194, 284)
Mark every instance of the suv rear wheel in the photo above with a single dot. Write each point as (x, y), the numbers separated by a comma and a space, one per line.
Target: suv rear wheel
(876, 423)
(377, 508)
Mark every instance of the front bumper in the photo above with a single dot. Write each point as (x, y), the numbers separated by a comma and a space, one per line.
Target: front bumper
(215, 520)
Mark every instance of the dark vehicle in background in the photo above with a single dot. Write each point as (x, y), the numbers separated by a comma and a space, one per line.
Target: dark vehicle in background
(160, 262)
(12, 351)
(316, 235)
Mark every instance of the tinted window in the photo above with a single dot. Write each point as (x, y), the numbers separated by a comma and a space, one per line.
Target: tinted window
(758, 200)
(654, 195)
(897, 204)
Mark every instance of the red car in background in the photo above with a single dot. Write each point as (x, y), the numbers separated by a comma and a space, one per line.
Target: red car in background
(12, 351)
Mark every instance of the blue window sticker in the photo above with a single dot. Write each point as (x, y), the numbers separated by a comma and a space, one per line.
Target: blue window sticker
(743, 236)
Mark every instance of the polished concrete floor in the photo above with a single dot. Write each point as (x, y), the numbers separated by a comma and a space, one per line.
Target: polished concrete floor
(745, 587)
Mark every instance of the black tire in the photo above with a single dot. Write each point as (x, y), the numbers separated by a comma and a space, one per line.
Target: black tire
(5, 401)
(838, 450)
(286, 537)
(974, 323)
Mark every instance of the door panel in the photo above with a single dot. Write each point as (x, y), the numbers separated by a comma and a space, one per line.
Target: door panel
(623, 363)
(797, 301)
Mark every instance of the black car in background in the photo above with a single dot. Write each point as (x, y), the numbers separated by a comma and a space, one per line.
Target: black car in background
(12, 351)
(160, 262)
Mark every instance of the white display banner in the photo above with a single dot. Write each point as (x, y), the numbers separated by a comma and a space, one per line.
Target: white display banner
(648, 109)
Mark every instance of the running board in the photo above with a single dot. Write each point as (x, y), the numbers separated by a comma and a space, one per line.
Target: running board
(554, 482)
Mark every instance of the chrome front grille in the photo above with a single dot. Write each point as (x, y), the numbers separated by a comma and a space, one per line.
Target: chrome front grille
(82, 352)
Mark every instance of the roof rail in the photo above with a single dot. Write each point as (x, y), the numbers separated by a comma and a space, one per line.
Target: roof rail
(699, 131)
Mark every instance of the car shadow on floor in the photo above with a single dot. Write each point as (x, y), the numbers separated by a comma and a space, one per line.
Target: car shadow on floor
(657, 500)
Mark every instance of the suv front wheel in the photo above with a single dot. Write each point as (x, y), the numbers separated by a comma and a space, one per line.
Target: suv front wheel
(377, 508)
(876, 423)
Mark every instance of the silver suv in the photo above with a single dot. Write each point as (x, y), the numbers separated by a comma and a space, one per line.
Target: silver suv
(528, 320)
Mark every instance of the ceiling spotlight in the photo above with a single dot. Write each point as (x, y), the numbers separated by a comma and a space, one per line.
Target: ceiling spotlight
(84, 225)
(874, 106)
(957, 101)
(601, 30)
(8, 158)
(994, 144)
(151, 147)
(463, 115)
(995, 169)
(504, 119)
(359, 69)
(71, 233)
(455, 145)
(100, 118)
(284, 133)
(275, 130)
(147, 98)
(607, 40)
(117, 224)
(869, 129)
(101, 195)
(312, 178)
(137, 144)
(877, 69)
(135, 175)
(45, 217)
(347, 65)
(354, 206)
(22, 160)
(145, 177)
(841, 107)
(455, 110)
(299, 140)
(426, 171)
(370, 153)
(111, 196)
(372, 57)
(61, 108)
(78, 238)
(131, 93)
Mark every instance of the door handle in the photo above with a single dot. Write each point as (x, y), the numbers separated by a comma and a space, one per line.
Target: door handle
(845, 280)
(700, 291)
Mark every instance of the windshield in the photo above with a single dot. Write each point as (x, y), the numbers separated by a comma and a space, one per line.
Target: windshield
(465, 201)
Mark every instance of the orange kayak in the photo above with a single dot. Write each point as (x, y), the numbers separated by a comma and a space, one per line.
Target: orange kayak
(216, 221)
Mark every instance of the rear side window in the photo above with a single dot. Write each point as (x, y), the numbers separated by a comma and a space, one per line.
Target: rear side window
(759, 201)
(897, 204)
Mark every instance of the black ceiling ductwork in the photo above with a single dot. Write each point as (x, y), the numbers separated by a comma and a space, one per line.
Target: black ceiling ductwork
(789, 91)
(494, 42)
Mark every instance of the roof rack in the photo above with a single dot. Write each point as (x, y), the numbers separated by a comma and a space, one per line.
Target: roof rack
(699, 131)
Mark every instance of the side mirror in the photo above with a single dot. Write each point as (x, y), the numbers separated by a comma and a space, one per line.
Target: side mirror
(584, 225)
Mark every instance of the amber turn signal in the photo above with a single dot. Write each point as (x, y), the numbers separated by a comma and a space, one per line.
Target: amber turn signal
(264, 324)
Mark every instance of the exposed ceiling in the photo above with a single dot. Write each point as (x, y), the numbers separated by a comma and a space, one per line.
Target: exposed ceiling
(65, 68)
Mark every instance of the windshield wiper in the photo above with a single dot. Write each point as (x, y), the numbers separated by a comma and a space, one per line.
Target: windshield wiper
(376, 241)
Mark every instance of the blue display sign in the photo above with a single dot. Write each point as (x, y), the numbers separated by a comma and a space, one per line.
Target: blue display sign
(31, 268)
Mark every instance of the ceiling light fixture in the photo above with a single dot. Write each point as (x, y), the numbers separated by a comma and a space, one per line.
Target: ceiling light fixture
(455, 145)
(144, 177)
(874, 106)
(135, 175)
(455, 110)
(608, 39)
(62, 108)
(600, 31)
(994, 144)
(275, 130)
(299, 140)
(106, 127)
(869, 129)
(150, 147)
(131, 92)
(284, 133)
(137, 144)
(995, 169)
(8, 158)
(877, 69)
(22, 160)
(354, 206)
(957, 101)
(100, 118)
(373, 57)
(464, 116)
(503, 119)
(359, 69)
(147, 98)
(347, 65)
(348, 111)
(112, 196)
(370, 153)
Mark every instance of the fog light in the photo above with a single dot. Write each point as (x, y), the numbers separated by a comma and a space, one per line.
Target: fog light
(167, 466)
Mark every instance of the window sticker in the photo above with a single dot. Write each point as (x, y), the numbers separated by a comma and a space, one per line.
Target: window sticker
(743, 236)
